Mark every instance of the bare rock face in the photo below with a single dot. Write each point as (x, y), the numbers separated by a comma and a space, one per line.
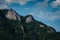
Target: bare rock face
(11, 15)
(22, 28)
(29, 19)
(50, 30)
(42, 25)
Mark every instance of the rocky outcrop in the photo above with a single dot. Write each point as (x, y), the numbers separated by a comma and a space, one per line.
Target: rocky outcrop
(11, 15)
(42, 25)
(29, 19)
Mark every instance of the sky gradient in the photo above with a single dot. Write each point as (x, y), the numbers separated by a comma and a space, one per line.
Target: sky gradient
(46, 11)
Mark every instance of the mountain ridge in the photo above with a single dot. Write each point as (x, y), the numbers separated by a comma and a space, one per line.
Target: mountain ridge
(17, 27)
(12, 15)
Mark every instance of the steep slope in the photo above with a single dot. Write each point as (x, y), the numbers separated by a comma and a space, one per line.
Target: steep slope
(16, 27)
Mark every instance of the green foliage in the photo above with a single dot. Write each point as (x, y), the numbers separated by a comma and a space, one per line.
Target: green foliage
(53, 36)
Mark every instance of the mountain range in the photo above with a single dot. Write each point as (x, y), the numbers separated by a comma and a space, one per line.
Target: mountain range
(16, 27)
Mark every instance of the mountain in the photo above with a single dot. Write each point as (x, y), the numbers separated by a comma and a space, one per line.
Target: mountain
(16, 27)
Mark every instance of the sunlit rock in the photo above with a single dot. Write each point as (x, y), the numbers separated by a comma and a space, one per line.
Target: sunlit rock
(42, 25)
(29, 19)
(11, 15)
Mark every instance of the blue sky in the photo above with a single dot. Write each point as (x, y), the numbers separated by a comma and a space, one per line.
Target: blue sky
(47, 11)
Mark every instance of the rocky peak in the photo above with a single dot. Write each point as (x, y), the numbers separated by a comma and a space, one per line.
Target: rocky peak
(12, 15)
(29, 18)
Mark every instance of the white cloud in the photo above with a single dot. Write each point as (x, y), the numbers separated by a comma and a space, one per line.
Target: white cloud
(8, 1)
(5, 2)
(3, 6)
(38, 11)
(21, 2)
(54, 16)
(43, 4)
(40, 6)
(55, 3)
(51, 16)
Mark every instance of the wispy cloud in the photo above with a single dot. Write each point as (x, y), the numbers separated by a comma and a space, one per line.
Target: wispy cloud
(3, 3)
(54, 16)
(39, 9)
(50, 16)
(43, 4)
(55, 3)
(21, 2)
